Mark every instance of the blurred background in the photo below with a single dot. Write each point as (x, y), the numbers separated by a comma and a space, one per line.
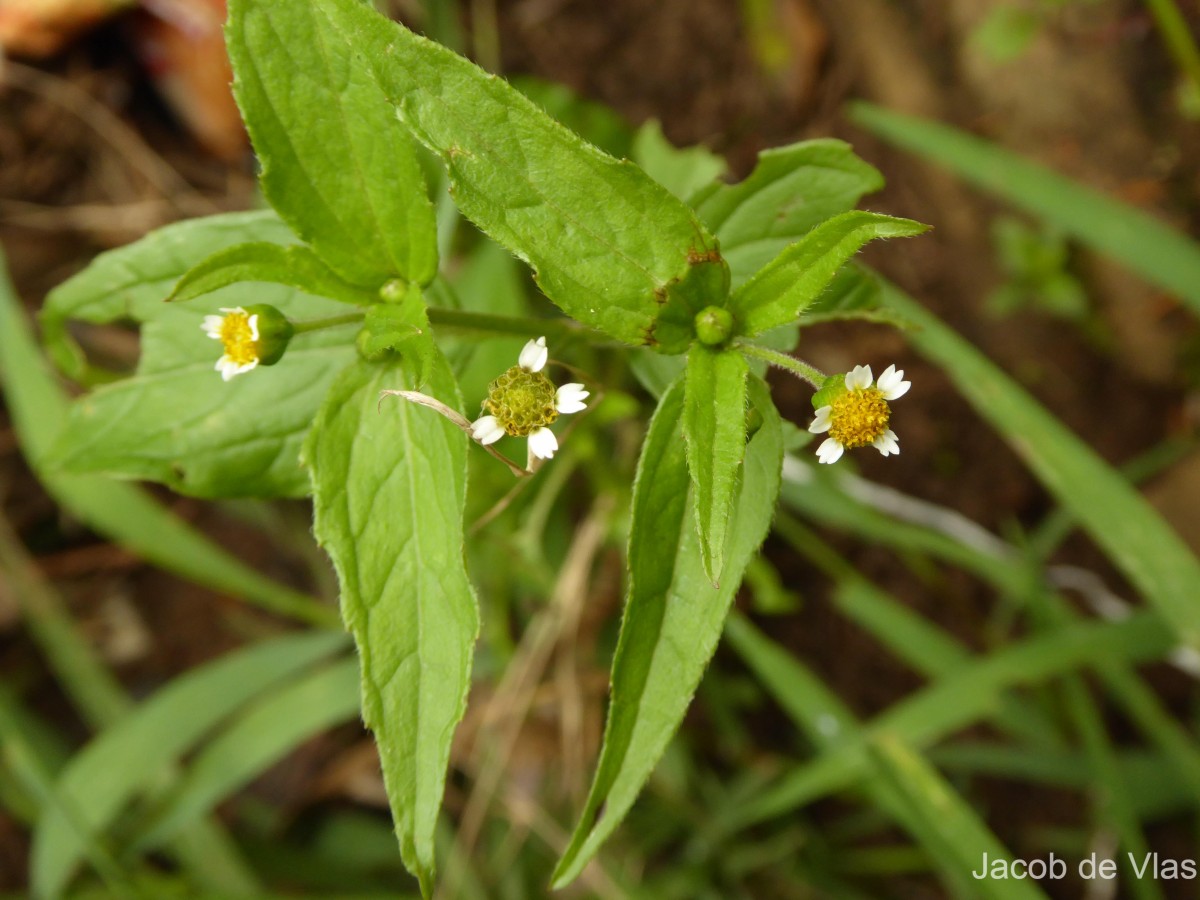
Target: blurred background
(115, 119)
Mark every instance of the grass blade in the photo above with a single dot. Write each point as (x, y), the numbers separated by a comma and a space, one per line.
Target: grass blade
(922, 802)
(943, 821)
(956, 701)
(1119, 520)
(103, 776)
(260, 737)
(1142, 243)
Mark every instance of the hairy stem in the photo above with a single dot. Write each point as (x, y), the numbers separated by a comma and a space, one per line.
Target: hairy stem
(801, 370)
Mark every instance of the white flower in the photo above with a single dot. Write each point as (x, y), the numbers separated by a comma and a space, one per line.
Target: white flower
(237, 331)
(860, 416)
(523, 402)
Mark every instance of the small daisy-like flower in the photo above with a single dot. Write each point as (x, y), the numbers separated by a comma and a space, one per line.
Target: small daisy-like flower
(250, 337)
(523, 402)
(237, 331)
(860, 415)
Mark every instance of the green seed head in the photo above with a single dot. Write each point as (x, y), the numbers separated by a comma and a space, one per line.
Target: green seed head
(521, 401)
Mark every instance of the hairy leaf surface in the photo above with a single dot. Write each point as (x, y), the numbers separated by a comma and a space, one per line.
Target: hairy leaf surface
(791, 190)
(673, 614)
(295, 266)
(714, 432)
(782, 289)
(389, 486)
(607, 243)
(336, 164)
(175, 421)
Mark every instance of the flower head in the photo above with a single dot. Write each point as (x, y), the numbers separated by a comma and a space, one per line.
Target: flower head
(237, 331)
(250, 337)
(523, 402)
(860, 415)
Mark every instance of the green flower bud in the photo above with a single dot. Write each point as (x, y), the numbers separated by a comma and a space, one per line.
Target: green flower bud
(713, 325)
(393, 291)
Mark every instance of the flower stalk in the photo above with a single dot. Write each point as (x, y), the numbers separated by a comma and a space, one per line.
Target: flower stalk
(801, 370)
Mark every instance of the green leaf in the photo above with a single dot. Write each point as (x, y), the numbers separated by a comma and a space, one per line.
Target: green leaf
(38, 408)
(607, 244)
(256, 739)
(1152, 556)
(295, 266)
(101, 778)
(789, 283)
(714, 432)
(816, 495)
(853, 290)
(131, 281)
(791, 190)
(594, 122)
(1141, 242)
(680, 171)
(402, 327)
(389, 490)
(176, 421)
(673, 614)
(336, 164)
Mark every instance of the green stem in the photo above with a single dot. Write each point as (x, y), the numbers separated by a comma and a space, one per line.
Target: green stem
(523, 326)
(1180, 43)
(875, 316)
(331, 322)
(466, 321)
(801, 370)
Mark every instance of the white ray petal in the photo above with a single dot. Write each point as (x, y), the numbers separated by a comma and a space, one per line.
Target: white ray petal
(569, 398)
(859, 379)
(887, 443)
(822, 421)
(486, 430)
(830, 451)
(534, 355)
(542, 443)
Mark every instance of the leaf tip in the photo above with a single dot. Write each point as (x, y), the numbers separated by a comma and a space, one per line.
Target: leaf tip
(713, 561)
(566, 871)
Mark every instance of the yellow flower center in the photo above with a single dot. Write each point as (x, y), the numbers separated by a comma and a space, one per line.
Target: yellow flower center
(859, 417)
(238, 338)
(521, 401)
